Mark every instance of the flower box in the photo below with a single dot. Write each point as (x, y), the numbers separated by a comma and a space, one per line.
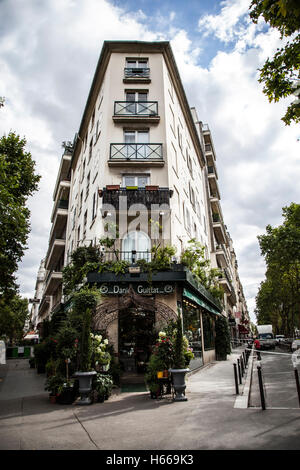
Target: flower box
(112, 187)
(151, 188)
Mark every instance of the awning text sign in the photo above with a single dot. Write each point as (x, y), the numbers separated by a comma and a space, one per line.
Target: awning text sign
(142, 289)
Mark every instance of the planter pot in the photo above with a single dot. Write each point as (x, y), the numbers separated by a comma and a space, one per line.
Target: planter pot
(166, 374)
(85, 386)
(112, 187)
(160, 374)
(100, 398)
(52, 399)
(151, 188)
(178, 377)
(41, 369)
(66, 397)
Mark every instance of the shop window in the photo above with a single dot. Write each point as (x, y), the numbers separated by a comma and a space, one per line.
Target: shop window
(208, 331)
(192, 331)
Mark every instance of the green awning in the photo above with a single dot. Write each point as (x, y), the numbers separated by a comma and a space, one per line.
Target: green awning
(200, 302)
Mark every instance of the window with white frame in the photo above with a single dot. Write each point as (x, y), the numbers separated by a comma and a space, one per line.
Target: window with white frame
(135, 180)
(136, 137)
(136, 63)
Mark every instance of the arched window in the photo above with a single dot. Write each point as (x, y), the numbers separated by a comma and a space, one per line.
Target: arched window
(138, 242)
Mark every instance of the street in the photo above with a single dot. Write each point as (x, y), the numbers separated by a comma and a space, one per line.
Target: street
(278, 379)
(207, 421)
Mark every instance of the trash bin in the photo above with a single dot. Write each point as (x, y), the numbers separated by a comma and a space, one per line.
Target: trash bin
(15, 353)
(27, 351)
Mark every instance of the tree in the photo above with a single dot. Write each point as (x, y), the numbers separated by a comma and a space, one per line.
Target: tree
(18, 181)
(13, 314)
(281, 74)
(278, 298)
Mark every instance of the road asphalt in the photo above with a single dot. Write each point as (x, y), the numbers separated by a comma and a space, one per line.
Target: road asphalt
(213, 418)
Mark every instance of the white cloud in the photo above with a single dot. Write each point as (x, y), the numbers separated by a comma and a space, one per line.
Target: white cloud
(226, 25)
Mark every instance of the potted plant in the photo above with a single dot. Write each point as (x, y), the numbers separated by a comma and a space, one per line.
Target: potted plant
(222, 339)
(52, 384)
(66, 393)
(85, 374)
(179, 368)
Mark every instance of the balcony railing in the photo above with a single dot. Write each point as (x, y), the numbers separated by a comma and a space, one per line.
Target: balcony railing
(136, 108)
(134, 72)
(137, 196)
(216, 217)
(63, 204)
(136, 152)
(130, 256)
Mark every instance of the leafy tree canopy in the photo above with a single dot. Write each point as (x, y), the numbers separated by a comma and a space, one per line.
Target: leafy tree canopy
(278, 298)
(281, 74)
(18, 181)
(13, 314)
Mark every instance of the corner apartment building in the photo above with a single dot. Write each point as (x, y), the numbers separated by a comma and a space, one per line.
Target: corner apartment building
(142, 161)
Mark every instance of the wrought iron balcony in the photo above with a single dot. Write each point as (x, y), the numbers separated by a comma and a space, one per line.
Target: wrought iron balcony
(130, 256)
(136, 152)
(136, 108)
(134, 72)
(136, 196)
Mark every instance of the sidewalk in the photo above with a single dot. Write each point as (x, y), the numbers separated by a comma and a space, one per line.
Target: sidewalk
(209, 419)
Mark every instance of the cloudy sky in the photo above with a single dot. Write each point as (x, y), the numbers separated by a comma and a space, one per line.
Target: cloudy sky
(48, 55)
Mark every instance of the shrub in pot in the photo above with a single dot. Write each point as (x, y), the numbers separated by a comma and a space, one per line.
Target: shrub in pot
(179, 369)
(222, 339)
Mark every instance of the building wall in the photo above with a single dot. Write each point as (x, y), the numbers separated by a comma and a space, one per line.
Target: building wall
(184, 172)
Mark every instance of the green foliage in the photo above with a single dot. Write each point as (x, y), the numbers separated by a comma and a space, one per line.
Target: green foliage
(100, 354)
(54, 384)
(193, 257)
(278, 298)
(155, 364)
(222, 339)
(179, 358)
(103, 384)
(18, 181)
(83, 260)
(13, 314)
(280, 74)
(85, 344)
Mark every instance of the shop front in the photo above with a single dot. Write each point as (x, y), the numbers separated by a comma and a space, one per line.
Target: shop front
(199, 327)
(133, 310)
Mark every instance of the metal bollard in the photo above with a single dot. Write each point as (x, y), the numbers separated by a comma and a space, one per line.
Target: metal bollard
(242, 365)
(261, 387)
(239, 370)
(236, 379)
(245, 360)
(297, 383)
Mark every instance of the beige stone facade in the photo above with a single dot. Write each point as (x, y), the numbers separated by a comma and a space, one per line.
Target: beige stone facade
(140, 142)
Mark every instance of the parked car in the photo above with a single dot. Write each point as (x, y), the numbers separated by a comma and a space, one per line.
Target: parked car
(295, 345)
(279, 338)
